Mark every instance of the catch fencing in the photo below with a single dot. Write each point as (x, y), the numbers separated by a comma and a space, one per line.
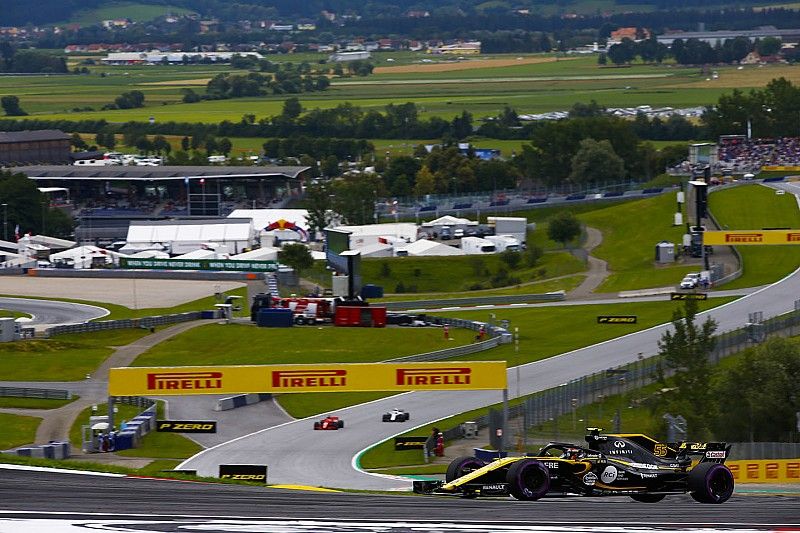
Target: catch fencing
(477, 300)
(497, 336)
(543, 409)
(145, 322)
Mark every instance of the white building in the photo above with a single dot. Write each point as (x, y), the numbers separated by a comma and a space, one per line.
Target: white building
(361, 236)
(340, 57)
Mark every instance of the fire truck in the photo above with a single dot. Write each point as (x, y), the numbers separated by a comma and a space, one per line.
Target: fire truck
(305, 310)
(308, 310)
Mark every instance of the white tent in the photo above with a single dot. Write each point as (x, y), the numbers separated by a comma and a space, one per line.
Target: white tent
(183, 236)
(424, 247)
(84, 256)
(259, 254)
(451, 221)
(367, 235)
(376, 250)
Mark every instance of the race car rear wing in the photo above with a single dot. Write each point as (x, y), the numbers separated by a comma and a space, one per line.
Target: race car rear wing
(710, 452)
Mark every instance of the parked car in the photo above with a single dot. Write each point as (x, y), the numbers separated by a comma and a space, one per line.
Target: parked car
(688, 283)
(457, 234)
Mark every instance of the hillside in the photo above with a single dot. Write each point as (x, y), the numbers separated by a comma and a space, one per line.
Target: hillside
(18, 12)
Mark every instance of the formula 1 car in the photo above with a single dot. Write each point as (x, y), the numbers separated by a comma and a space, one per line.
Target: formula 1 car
(396, 415)
(329, 422)
(627, 464)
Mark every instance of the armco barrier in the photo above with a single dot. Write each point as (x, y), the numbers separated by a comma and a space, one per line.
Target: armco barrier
(478, 300)
(765, 470)
(143, 274)
(145, 322)
(28, 392)
(240, 400)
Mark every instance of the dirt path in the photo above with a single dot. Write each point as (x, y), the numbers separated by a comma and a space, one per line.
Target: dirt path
(56, 423)
(598, 269)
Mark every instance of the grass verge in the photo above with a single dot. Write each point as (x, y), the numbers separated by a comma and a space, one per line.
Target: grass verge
(17, 430)
(764, 208)
(9, 402)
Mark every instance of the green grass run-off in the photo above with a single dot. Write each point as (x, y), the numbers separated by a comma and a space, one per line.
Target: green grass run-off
(17, 430)
(757, 207)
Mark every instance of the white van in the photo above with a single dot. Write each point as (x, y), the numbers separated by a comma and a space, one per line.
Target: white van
(217, 159)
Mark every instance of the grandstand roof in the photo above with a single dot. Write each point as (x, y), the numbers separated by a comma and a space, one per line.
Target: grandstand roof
(35, 135)
(136, 173)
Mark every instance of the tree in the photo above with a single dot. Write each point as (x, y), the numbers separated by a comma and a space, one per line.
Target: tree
(292, 108)
(185, 143)
(29, 208)
(354, 198)
(330, 166)
(758, 397)
(297, 256)
(424, 182)
(11, 106)
(225, 146)
(596, 162)
(511, 257)
(318, 203)
(77, 142)
(563, 228)
(769, 46)
(685, 350)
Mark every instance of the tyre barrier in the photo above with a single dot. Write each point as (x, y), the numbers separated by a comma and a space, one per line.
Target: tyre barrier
(240, 400)
(53, 450)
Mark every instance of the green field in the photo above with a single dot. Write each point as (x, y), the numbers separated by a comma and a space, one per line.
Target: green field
(17, 430)
(629, 239)
(483, 91)
(455, 274)
(63, 358)
(131, 10)
(756, 207)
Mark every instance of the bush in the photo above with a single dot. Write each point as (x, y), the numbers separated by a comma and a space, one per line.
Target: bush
(532, 255)
(511, 258)
(400, 287)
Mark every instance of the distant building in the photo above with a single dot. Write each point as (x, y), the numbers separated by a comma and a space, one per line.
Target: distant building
(469, 48)
(341, 57)
(631, 33)
(39, 146)
(713, 37)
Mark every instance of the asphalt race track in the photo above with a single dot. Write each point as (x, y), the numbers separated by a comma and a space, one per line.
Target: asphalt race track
(51, 312)
(45, 501)
(329, 458)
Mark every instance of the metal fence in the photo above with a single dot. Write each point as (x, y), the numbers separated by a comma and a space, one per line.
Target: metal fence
(497, 336)
(546, 406)
(145, 322)
(26, 392)
(478, 300)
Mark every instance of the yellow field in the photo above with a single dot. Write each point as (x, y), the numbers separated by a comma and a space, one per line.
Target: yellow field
(749, 76)
(200, 82)
(468, 64)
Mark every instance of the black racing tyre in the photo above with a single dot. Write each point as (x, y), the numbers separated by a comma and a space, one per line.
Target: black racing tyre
(387, 418)
(462, 465)
(299, 320)
(316, 425)
(528, 479)
(408, 416)
(710, 483)
(340, 424)
(648, 498)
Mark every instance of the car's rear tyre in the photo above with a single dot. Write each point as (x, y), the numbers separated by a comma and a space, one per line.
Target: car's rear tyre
(340, 424)
(461, 466)
(710, 483)
(316, 425)
(528, 479)
(300, 321)
(648, 498)
(408, 416)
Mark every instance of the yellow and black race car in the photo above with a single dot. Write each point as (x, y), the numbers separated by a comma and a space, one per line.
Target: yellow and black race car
(634, 465)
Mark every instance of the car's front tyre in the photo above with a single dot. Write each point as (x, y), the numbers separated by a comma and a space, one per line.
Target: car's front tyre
(461, 466)
(528, 479)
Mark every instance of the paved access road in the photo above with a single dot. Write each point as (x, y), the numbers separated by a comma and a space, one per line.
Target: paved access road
(52, 312)
(44, 501)
(297, 454)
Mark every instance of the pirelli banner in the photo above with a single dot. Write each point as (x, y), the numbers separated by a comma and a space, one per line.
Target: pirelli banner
(751, 237)
(164, 381)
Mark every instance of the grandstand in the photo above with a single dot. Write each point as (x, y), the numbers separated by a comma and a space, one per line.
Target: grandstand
(106, 199)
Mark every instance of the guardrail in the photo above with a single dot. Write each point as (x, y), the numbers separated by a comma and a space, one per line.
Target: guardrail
(497, 336)
(144, 322)
(28, 392)
(477, 300)
(240, 400)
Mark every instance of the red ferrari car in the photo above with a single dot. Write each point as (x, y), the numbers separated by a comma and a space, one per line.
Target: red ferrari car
(329, 422)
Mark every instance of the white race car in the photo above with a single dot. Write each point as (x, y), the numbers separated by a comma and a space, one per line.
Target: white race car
(396, 415)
